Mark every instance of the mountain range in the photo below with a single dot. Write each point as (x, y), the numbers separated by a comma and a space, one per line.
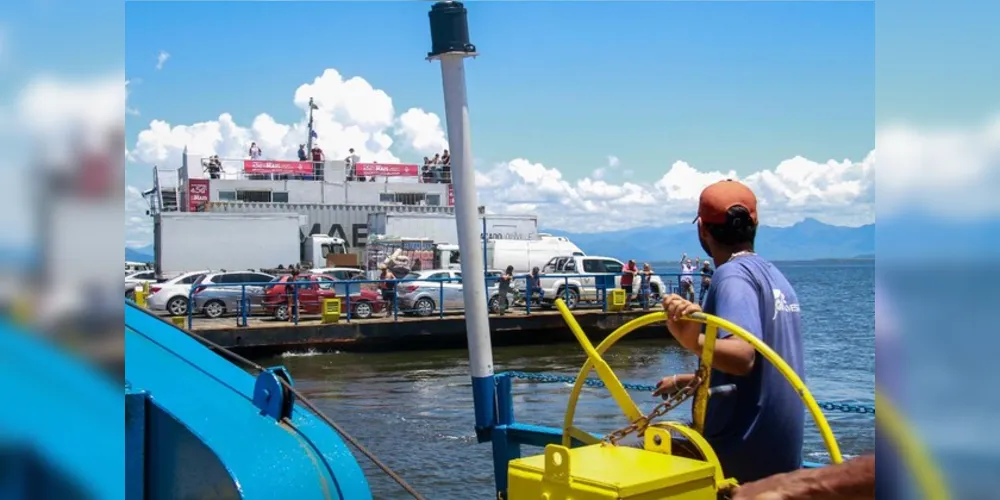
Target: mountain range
(807, 240)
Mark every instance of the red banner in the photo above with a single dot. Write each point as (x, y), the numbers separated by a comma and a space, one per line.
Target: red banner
(387, 170)
(277, 167)
(198, 194)
(451, 195)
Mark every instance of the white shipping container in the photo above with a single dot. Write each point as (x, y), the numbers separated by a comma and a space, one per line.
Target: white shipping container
(191, 241)
(444, 228)
(349, 222)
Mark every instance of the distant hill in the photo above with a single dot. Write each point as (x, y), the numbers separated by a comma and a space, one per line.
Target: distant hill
(141, 254)
(807, 240)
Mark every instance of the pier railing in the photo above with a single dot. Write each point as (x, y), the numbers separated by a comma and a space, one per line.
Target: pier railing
(300, 301)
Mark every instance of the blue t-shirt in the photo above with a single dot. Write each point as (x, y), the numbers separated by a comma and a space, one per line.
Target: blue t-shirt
(757, 432)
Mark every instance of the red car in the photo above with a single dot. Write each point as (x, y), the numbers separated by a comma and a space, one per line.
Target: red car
(311, 290)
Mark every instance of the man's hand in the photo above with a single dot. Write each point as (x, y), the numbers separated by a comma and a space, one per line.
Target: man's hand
(686, 332)
(780, 487)
(854, 480)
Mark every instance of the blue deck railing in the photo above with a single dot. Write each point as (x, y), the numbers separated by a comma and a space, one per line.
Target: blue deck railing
(365, 299)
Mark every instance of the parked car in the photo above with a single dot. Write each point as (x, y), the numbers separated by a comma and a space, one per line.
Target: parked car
(219, 293)
(172, 295)
(136, 280)
(340, 273)
(311, 290)
(421, 292)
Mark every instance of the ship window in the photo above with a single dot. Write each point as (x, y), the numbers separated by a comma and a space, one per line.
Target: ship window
(279, 197)
(253, 196)
(410, 198)
(227, 195)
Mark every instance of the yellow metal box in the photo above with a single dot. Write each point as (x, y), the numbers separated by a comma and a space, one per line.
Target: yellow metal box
(331, 311)
(179, 321)
(616, 299)
(601, 471)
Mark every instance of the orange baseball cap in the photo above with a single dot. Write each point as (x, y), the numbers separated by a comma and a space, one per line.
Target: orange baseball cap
(718, 198)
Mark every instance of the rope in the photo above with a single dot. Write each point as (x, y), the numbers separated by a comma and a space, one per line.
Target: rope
(547, 378)
(309, 405)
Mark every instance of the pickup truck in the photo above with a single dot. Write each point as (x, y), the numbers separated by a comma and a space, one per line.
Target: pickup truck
(585, 288)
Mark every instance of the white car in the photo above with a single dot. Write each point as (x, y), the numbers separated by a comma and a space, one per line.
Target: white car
(172, 295)
(135, 280)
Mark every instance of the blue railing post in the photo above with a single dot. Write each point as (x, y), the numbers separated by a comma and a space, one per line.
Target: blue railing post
(531, 291)
(190, 308)
(347, 289)
(295, 303)
(242, 317)
(504, 450)
(395, 300)
(441, 299)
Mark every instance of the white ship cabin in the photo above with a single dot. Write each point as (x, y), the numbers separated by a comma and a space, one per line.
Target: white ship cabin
(202, 179)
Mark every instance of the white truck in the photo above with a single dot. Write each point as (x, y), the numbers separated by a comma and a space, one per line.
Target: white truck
(560, 279)
(443, 228)
(424, 253)
(187, 241)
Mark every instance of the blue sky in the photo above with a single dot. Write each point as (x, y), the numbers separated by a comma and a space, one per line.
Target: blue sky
(722, 86)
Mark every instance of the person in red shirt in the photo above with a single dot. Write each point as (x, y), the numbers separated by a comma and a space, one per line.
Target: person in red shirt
(628, 275)
(318, 158)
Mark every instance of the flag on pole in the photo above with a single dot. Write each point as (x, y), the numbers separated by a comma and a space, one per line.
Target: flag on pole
(314, 134)
(313, 104)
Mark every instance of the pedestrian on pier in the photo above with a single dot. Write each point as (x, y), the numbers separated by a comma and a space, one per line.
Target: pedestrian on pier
(387, 285)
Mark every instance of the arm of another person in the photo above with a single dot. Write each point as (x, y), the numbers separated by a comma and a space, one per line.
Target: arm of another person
(735, 301)
(853, 479)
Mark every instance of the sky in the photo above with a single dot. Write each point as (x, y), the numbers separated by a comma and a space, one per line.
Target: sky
(593, 115)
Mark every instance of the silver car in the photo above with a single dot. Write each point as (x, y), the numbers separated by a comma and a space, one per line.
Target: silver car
(421, 292)
(217, 294)
(135, 280)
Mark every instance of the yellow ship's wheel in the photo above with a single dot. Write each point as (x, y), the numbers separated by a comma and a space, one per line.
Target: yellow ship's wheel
(636, 418)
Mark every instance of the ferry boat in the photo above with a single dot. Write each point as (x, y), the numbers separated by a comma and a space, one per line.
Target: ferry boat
(198, 425)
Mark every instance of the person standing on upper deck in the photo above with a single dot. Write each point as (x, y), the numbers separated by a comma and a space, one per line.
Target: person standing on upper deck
(351, 165)
(318, 157)
(255, 152)
(758, 431)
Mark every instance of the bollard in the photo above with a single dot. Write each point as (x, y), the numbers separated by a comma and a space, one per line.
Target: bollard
(140, 298)
(617, 302)
(178, 321)
(331, 311)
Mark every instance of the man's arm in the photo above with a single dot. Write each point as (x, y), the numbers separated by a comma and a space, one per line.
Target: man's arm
(854, 479)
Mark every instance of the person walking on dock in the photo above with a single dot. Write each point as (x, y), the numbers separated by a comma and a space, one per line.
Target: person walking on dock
(687, 278)
(644, 289)
(506, 279)
(628, 277)
(706, 280)
(387, 285)
(758, 432)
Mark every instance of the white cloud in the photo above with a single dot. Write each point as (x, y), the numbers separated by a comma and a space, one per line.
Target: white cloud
(351, 114)
(613, 163)
(161, 59)
(66, 114)
(951, 173)
(354, 114)
(128, 110)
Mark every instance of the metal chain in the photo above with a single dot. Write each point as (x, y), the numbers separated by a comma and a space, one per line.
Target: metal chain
(672, 401)
(546, 378)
